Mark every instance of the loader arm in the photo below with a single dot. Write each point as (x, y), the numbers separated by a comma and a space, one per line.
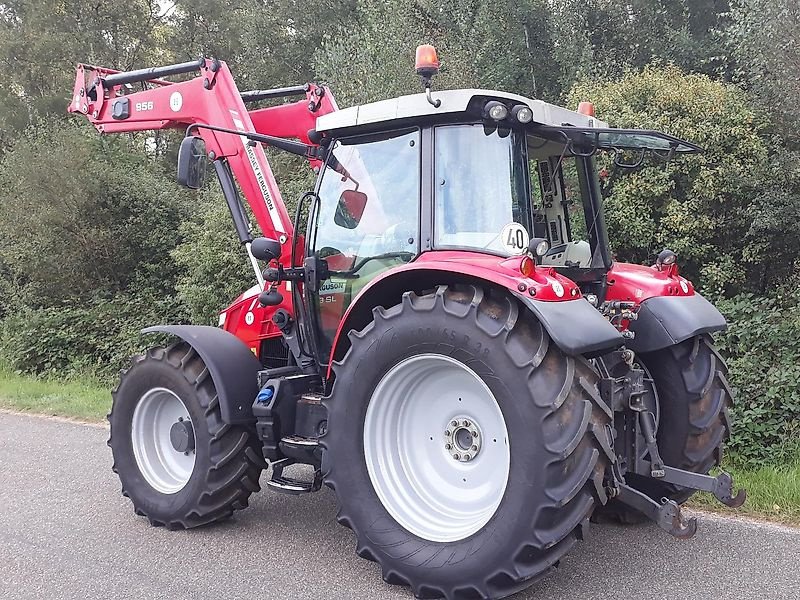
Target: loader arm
(118, 102)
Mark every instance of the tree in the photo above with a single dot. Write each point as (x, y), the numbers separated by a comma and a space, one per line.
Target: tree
(41, 41)
(766, 39)
(83, 216)
(724, 211)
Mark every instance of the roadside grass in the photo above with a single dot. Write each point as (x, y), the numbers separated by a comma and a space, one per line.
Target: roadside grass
(84, 399)
(773, 492)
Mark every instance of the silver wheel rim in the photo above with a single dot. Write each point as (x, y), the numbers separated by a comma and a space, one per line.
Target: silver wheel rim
(166, 469)
(415, 447)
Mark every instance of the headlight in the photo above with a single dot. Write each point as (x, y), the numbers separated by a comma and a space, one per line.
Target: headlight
(496, 110)
(522, 113)
(538, 246)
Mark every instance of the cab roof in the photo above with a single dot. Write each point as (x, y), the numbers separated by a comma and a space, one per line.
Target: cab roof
(452, 102)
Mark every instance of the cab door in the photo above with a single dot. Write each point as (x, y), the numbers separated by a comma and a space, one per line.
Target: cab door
(367, 220)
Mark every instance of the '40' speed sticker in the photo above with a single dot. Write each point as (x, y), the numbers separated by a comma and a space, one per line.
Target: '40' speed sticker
(515, 238)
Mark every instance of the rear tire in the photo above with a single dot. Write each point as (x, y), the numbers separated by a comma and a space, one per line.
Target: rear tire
(558, 444)
(164, 484)
(694, 398)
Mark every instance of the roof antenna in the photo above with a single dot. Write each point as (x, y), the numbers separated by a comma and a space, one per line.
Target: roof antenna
(426, 66)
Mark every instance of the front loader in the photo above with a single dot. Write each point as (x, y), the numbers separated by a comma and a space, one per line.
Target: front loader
(448, 345)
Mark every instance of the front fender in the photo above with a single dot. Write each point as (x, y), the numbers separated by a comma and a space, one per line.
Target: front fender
(668, 320)
(231, 364)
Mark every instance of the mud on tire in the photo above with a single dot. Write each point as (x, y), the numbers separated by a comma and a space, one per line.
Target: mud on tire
(227, 462)
(558, 438)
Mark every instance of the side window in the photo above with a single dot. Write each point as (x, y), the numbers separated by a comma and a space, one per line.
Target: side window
(558, 211)
(480, 186)
(368, 217)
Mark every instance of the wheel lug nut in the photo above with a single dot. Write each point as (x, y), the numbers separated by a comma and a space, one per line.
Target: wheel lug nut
(454, 423)
(447, 446)
(447, 432)
(467, 423)
(474, 433)
(474, 448)
(457, 456)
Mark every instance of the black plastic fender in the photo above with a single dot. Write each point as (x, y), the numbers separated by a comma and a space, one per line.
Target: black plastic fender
(232, 366)
(668, 320)
(575, 326)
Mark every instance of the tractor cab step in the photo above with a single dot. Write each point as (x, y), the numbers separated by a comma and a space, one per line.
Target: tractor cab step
(288, 485)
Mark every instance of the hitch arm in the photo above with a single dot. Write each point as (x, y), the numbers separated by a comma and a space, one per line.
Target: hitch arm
(721, 485)
(666, 515)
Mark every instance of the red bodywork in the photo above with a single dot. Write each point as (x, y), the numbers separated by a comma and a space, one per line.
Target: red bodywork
(212, 98)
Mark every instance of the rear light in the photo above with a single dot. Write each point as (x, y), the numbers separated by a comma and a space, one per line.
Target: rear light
(527, 266)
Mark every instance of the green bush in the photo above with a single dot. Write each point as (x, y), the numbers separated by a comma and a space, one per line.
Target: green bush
(762, 347)
(97, 338)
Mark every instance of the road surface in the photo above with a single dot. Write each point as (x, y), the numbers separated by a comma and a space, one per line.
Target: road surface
(66, 532)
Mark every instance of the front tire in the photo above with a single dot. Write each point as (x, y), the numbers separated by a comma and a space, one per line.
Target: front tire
(178, 462)
(488, 526)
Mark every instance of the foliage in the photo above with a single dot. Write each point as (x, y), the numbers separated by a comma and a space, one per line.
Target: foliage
(764, 37)
(82, 215)
(42, 40)
(762, 347)
(718, 210)
(213, 265)
(96, 337)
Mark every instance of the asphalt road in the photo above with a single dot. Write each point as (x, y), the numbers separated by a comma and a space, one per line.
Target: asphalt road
(65, 532)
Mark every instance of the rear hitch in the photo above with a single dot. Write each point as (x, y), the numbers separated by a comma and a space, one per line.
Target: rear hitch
(721, 485)
(667, 515)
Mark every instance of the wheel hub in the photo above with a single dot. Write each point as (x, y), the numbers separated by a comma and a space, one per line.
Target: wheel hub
(462, 439)
(163, 440)
(181, 435)
(436, 447)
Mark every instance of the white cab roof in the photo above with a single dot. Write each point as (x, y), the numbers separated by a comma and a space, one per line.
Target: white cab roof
(452, 101)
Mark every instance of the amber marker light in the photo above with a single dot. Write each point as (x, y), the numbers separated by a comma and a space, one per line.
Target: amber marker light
(586, 108)
(527, 266)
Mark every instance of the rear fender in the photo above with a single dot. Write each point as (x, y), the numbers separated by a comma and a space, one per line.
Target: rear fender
(231, 364)
(574, 325)
(668, 320)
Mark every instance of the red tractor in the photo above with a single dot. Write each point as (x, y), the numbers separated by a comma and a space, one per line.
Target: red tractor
(448, 345)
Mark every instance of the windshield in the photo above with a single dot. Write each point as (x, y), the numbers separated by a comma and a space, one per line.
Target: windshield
(481, 199)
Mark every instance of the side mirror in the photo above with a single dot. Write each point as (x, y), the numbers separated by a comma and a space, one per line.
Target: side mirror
(350, 209)
(265, 249)
(192, 162)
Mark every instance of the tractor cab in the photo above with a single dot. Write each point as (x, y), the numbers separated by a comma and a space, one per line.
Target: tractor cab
(471, 171)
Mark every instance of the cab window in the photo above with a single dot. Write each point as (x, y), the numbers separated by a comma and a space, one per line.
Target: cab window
(368, 217)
